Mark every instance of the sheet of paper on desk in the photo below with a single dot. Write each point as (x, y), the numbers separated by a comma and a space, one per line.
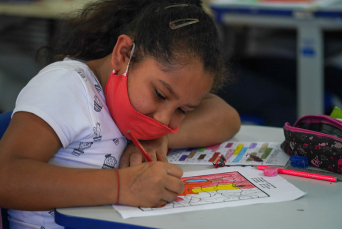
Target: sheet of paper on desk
(219, 188)
(236, 153)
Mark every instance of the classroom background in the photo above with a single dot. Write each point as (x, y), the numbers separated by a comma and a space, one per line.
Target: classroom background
(261, 60)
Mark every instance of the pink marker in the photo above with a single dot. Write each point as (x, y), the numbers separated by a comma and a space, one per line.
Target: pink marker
(302, 174)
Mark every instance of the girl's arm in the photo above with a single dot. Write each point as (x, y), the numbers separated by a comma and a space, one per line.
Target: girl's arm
(213, 122)
(28, 182)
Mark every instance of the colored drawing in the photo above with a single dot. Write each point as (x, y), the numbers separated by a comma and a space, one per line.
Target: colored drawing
(214, 188)
(212, 159)
(240, 155)
(253, 145)
(229, 153)
(183, 157)
(229, 145)
(238, 149)
(191, 155)
(201, 157)
(235, 153)
(221, 188)
(215, 148)
(266, 153)
(263, 148)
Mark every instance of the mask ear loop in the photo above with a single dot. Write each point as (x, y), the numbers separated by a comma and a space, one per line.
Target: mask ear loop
(130, 57)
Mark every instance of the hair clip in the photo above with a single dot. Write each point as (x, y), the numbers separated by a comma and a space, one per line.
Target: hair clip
(175, 5)
(182, 22)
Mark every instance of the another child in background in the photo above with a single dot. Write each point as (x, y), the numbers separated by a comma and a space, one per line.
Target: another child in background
(138, 65)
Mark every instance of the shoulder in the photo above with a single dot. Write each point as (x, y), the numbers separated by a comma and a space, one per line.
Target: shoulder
(64, 68)
(63, 95)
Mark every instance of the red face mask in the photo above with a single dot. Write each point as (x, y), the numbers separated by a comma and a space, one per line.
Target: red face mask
(125, 116)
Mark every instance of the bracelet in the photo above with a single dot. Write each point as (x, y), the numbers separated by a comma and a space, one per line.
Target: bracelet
(117, 175)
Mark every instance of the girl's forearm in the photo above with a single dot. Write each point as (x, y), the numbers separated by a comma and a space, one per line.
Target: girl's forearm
(214, 121)
(27, 184)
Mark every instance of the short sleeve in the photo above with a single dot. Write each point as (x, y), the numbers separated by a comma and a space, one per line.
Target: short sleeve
(59, 97)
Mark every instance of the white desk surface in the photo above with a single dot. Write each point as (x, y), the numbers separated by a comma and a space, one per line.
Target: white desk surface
(319, 208)
(50, 9)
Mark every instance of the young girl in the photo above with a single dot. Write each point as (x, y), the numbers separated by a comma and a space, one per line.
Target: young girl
(144, 66)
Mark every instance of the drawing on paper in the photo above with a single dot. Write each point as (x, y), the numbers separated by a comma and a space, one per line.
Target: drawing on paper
(214, 188)
(235, 153)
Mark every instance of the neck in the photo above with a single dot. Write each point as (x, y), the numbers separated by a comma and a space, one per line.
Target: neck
(101, 69)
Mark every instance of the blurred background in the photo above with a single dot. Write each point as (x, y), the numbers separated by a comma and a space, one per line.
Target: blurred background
(261, 60)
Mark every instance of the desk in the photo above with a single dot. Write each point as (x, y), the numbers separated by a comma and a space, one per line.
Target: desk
(320, 208)
(309, 23)
(49, 9)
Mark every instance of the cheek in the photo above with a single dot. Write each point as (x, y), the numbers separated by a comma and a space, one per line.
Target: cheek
(138, 98)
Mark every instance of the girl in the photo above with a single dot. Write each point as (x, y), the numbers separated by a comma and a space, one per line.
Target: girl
(140, 65)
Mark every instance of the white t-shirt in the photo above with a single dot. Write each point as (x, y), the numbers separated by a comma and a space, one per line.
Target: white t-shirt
(68, 96)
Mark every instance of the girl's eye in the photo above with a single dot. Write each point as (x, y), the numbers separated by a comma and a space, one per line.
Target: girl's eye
(181, 111)
(159, 96)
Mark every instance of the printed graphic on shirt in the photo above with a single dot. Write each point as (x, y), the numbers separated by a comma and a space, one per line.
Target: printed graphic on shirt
(116, 141)
(82, 146)
(98, 88)
(97, 104)
(81, 73)
(109, 162)
(97, 132)
(52, 213)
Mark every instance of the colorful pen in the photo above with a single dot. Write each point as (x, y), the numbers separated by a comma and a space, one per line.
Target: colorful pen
(137, 143)
(301, 174)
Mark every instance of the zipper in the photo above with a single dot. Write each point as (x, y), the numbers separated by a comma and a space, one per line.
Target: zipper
(287, 126)
(321, 119)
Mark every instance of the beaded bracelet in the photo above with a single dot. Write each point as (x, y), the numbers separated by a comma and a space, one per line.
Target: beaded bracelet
(117, 198)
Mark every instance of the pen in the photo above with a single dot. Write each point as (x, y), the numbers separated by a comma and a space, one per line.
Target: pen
(137, 143)
(301, 174)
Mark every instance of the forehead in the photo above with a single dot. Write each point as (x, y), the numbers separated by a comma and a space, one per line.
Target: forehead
(189, 80)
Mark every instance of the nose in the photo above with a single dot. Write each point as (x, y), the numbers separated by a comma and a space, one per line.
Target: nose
(164, 117)
(170, 119)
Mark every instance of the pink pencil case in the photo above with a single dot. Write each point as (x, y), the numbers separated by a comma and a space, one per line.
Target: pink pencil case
(317, 137)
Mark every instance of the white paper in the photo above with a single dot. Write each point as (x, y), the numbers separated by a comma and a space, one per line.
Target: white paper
(219, 188)
(236, 153)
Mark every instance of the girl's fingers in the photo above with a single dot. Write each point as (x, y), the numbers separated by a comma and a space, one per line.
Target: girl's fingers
(135, 159)
(174, 184)
(174, 170)
(161, 157)
(124, 161)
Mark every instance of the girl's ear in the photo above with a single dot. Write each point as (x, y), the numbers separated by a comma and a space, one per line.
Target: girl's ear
(121, 53)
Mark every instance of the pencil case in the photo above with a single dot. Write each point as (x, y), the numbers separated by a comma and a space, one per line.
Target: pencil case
(317, 137)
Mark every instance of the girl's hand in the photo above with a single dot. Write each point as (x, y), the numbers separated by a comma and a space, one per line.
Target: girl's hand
(156, 148)
(150, 184)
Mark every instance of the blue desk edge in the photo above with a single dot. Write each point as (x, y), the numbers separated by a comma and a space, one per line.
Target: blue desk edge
(72, 222)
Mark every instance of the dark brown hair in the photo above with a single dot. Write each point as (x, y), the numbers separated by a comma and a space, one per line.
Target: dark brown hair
(93, 33)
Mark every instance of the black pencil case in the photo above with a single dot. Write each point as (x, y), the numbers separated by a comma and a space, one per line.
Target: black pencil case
(317, 137)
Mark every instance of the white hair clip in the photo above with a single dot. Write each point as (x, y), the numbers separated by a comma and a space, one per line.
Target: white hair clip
(182, 22)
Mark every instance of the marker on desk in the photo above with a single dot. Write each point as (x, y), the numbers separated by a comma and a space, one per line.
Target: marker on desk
(301, 174)
(137, 143)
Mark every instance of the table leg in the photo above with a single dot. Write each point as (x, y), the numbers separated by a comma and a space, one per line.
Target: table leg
(310, 70)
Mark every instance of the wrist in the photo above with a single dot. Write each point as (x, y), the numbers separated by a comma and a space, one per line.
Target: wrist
(118, 185)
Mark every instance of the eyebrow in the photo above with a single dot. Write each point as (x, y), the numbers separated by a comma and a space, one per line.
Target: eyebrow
(168, 87)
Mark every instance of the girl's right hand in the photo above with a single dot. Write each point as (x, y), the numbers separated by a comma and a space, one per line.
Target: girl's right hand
(150, 184)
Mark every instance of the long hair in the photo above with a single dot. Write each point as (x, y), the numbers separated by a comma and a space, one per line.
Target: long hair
(93, 33)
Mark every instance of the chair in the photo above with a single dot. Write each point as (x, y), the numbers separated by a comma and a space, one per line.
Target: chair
(5, 119)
